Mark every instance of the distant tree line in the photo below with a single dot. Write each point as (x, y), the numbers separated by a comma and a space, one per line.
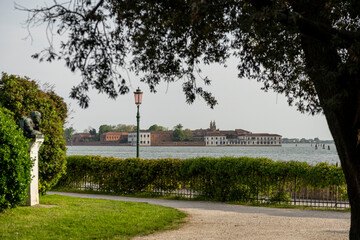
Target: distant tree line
(178, 134)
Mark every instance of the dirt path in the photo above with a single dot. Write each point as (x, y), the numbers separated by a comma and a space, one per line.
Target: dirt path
(209, 220)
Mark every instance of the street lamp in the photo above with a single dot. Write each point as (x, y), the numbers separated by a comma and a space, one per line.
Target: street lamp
(138, 98)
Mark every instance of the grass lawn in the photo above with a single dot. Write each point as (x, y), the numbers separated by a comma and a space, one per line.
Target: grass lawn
(61, 217)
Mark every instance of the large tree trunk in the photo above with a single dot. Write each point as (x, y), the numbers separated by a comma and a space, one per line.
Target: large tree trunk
(338, 90)
(347, 144)
(339, 95)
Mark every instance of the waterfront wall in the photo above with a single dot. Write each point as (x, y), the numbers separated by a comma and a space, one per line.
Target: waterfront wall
(169, 144)
(97, 143)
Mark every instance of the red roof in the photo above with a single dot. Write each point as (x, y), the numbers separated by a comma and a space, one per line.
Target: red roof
(115, 133)
(263, 134)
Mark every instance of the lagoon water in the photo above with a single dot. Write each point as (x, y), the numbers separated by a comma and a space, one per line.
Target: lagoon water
(287, 152)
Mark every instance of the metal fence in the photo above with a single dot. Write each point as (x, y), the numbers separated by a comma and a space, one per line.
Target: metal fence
(331, 197)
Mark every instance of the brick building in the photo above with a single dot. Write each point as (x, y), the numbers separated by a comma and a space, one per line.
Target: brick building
(82, 137)
(114, 137)
(160, 137)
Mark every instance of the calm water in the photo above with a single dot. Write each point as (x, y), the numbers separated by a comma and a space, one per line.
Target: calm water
(287, 152)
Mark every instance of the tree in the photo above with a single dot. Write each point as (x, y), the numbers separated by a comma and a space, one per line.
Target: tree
(125, 128)
(92, 132)
(178, 134)
(68, 134)
(105, 129)
(188, 135)
(307, 50)
(156, 127)
(179, 127)
(23, 96)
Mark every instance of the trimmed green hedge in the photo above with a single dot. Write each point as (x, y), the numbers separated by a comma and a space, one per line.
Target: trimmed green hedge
(15, 162)
(222, 179)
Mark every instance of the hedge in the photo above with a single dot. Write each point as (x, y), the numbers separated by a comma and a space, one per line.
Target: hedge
(222, 179)
(15, 162)
(23, 96)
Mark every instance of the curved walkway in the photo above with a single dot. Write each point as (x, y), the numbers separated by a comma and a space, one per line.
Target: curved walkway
(221, 221)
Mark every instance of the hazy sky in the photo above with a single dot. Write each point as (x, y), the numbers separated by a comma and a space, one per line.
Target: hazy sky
(241, 102)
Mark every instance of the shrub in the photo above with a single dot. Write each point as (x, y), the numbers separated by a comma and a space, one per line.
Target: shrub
(221, 179)
(23, 96)
(15, 162)
(280, 197)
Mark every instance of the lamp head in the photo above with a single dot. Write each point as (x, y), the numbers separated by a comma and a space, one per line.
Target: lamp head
(138, 96)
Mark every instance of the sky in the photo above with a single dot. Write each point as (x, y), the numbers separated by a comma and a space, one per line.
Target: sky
(241, 102)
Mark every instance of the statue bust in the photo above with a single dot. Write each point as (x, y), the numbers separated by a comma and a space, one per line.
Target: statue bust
(30, 125)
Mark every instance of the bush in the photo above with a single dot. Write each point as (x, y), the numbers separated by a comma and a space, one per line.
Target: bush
(221, 179)
(280, 197)
(23, 96)
(15, 162)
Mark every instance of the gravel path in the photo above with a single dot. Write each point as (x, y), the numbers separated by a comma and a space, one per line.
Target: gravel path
(212, 220)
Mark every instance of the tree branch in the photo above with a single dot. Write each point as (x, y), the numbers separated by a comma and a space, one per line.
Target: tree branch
(91, 14)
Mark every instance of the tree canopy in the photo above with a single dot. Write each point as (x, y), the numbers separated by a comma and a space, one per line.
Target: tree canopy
(156, 127)
(167, 40)
(68, 134)
(188, 135)
(307, 50)
(116, 128)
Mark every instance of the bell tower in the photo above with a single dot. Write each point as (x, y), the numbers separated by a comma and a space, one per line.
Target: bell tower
(212, 126)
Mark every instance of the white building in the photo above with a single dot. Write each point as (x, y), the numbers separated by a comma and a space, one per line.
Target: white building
(251, 139)
(145, 138)
(216, 140)
(263, 139)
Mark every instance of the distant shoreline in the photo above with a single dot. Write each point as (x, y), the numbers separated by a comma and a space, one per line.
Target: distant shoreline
(98, 143)
(172, 144)
(321, 142)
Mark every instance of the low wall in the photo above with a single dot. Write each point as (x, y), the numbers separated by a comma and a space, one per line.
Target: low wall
(97, 143)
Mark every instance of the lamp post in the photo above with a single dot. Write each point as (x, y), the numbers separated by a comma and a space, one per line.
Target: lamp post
(138, 98)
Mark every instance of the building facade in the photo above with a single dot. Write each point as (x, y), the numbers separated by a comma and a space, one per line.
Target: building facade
(144, 138)
(250, 139)
(159, 138)
(201, 137)
(82, 137)
(114, 137)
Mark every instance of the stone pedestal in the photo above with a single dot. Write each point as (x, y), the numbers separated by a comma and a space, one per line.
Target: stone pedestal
(33, 192)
